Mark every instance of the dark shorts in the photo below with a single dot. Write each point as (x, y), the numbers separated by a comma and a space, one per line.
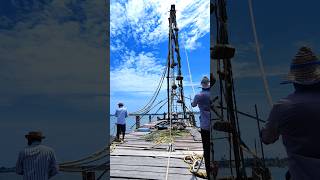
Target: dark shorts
(205, 136)
(121, 128)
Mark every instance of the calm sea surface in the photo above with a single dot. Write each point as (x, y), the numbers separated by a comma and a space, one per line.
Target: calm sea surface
(131, 120)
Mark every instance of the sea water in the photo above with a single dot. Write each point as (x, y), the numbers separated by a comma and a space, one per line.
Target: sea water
(131, 122)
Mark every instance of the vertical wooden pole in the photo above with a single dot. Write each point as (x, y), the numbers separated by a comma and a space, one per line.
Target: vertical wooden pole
(137, 122)
(260, 138)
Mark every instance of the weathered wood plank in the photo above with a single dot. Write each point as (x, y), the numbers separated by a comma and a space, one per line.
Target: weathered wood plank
(140, 159)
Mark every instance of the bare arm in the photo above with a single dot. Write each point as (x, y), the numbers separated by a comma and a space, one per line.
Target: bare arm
(195, 101)
(116, 113)
(270, 133)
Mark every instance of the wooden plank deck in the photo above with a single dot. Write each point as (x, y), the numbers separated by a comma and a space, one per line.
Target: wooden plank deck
(140, 159)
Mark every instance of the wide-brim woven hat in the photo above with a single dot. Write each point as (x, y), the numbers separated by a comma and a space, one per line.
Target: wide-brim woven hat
(304, 69)
(34, 135)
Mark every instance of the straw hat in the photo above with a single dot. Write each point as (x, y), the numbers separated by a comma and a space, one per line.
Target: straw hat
(205, 82)
(34, 135)
(304, 69)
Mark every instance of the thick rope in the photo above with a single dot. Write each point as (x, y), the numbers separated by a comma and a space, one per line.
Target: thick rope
(263, 74)
(190, 75)
(170, 144)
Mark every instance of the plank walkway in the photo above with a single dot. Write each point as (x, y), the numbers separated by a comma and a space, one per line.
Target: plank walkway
(140, 159)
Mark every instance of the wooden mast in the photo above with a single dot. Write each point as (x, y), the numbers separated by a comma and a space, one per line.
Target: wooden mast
(174, 82)
(223, 52)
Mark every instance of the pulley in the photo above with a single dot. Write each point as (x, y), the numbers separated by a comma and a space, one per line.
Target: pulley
(222, 51)
(179, 78)
(173, 65)
(174, 86)
(179, 101)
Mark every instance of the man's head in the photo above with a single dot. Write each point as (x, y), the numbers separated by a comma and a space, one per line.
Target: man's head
(304, 69)
(33, 136)
(120, 104)
(205, 82)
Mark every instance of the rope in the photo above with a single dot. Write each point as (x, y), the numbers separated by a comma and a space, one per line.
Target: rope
(168, 163)
(263, 75)
(170, 144)
(94, 155)
(190, 75)
(165, 102)
(147, 107)
(194, 162)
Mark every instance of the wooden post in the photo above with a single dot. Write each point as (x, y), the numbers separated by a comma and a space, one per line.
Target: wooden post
(192, 120)
(149, 118)
(137, 122)
(88, 175)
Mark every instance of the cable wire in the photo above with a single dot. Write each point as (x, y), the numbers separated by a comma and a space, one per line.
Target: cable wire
(263, 74)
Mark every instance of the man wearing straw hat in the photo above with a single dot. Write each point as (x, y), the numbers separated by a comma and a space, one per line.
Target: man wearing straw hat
(202, 100)
(297, 118)
(36, 161)
(121, 114)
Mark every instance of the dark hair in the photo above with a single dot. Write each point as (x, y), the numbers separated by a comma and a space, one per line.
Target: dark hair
(312, 87)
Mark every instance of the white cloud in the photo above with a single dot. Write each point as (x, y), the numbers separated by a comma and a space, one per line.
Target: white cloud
(139, 73)
(53, 54)
(147, 21)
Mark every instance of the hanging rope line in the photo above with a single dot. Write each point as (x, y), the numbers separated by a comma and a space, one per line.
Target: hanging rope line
(261, 66)
(147, 107)
(190, 75)
(164, 102)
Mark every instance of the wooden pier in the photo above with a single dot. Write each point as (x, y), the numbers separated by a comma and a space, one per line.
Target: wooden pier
(137, 158)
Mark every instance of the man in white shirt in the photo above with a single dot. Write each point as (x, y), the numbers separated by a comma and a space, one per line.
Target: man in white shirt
(202, 100)
(121, 114)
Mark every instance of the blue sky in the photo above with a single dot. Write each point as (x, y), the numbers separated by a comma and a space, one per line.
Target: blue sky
(139, 47)
(53, 76)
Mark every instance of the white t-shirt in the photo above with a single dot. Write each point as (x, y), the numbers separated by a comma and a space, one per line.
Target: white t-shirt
(121, 114)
